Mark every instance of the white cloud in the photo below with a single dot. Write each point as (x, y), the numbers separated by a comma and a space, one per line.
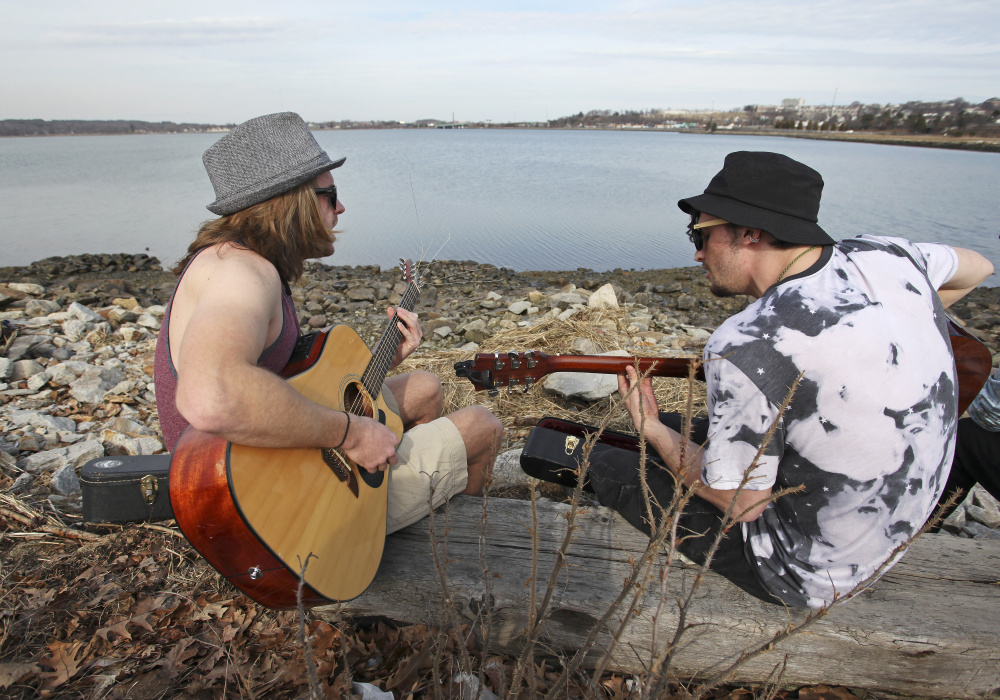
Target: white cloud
(227, 60)
(175, 32)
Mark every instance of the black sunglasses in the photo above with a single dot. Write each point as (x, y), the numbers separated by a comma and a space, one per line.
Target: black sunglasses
(330, 192)
(694, 230)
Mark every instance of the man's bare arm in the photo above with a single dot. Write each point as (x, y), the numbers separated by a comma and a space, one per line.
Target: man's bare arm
(222, 391)
(973, 268)
(668, 443)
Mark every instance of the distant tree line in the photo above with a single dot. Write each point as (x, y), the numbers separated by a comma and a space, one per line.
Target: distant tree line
(42, 127)
(952, 118)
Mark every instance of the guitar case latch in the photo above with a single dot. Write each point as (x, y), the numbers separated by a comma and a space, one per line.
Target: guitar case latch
(148, 488)
(571, 443)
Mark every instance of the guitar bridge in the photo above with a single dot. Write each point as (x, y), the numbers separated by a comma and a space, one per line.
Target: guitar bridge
(340, 468)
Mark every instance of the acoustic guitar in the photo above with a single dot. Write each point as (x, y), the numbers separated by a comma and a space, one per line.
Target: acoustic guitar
(492, 371)
(260, 515)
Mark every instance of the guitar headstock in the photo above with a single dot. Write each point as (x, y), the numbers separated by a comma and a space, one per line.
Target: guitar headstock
(510, 369)
(411, 272)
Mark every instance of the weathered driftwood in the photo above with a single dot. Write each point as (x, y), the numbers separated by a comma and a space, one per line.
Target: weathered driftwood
(930, 627)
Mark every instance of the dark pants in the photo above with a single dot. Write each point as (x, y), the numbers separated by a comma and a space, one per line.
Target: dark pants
(977, 461)
(613, 477)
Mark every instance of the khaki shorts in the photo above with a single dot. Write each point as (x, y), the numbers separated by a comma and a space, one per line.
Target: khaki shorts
(431, 458)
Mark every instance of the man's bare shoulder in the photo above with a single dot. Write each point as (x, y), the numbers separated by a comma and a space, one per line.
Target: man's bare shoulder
(229, 266)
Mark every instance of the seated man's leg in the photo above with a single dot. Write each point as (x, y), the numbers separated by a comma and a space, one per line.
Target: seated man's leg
(977, 460)
(418, 396)
(439, 459)
(614, 476)
(481, 433)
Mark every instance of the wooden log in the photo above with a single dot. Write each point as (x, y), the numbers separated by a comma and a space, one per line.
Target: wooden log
(929, 627)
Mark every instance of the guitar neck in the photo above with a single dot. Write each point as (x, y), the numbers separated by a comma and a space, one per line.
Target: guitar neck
(375, 373)
(603, 364)
(491, 371)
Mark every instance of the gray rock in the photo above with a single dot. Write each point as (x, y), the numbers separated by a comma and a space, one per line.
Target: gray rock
(564, 300)
(38, 419)
(520, 307)
(22, 483)
(475, 331)
(442, 332)
(361, 294)
(65, 481)
(982, 498)
(42, 462)
(30, 443)
(148, 321)
(81, 453)
(507, 471)
(40, 307)
(585, 346)
(23, 345)
(83, 313)
(980, 532)
(984, 516)
(27, 288)
(149, 445)
(74, 329)
(95, 383)
(124, 424)
(686, 301)
(37, 381)
(118, 444)
(584, 385)
(66, 372)
(5, 368)
(23, 369)
(603, 298)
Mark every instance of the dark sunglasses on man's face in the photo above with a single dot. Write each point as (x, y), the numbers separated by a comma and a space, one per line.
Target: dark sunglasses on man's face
(694, 230)
(330, 192)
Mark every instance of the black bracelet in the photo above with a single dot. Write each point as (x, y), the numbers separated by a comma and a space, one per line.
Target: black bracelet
(345, 431)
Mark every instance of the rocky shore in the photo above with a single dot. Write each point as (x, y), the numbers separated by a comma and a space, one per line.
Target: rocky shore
(79, 332)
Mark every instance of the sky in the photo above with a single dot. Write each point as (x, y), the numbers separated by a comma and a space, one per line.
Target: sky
(218, 61)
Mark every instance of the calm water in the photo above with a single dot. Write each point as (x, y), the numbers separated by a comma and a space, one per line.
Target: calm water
(529, 200)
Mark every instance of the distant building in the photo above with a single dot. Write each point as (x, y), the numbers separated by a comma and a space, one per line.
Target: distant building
(793, 103)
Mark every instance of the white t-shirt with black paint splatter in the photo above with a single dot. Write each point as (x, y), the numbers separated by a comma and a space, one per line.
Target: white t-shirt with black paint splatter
(869, 435)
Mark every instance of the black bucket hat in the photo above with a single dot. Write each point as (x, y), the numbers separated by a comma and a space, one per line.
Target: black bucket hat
(768, 191)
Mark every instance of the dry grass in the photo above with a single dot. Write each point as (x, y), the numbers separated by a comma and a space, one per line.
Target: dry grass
(520, 411)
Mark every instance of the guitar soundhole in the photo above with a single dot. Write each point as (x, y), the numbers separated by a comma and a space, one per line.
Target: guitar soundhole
(357, 402)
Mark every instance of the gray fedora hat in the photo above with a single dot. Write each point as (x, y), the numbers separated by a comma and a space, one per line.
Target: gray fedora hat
(768, 191)
(261, 158)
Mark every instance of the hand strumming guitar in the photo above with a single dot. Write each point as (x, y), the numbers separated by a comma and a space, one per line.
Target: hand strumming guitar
(370, 444)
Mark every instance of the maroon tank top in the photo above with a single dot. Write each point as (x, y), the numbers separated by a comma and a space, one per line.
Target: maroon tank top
(274, 358)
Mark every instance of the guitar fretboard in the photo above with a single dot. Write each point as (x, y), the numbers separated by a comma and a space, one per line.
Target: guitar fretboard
(374, 375)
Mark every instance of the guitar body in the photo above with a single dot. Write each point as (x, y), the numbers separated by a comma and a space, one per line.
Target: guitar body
(256, 513)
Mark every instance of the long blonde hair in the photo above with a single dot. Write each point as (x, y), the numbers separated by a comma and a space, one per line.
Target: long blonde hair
(286, 230)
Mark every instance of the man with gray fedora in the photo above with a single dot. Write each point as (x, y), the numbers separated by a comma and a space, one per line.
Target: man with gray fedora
(865, 444)
(231, 326)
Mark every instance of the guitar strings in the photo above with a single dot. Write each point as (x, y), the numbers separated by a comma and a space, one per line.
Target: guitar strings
(382, 357)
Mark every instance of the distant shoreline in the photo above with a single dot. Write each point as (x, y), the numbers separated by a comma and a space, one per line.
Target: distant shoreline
(959, 143)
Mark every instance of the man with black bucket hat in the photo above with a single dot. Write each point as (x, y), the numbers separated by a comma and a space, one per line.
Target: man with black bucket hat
(869, 434)
(231, 327)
